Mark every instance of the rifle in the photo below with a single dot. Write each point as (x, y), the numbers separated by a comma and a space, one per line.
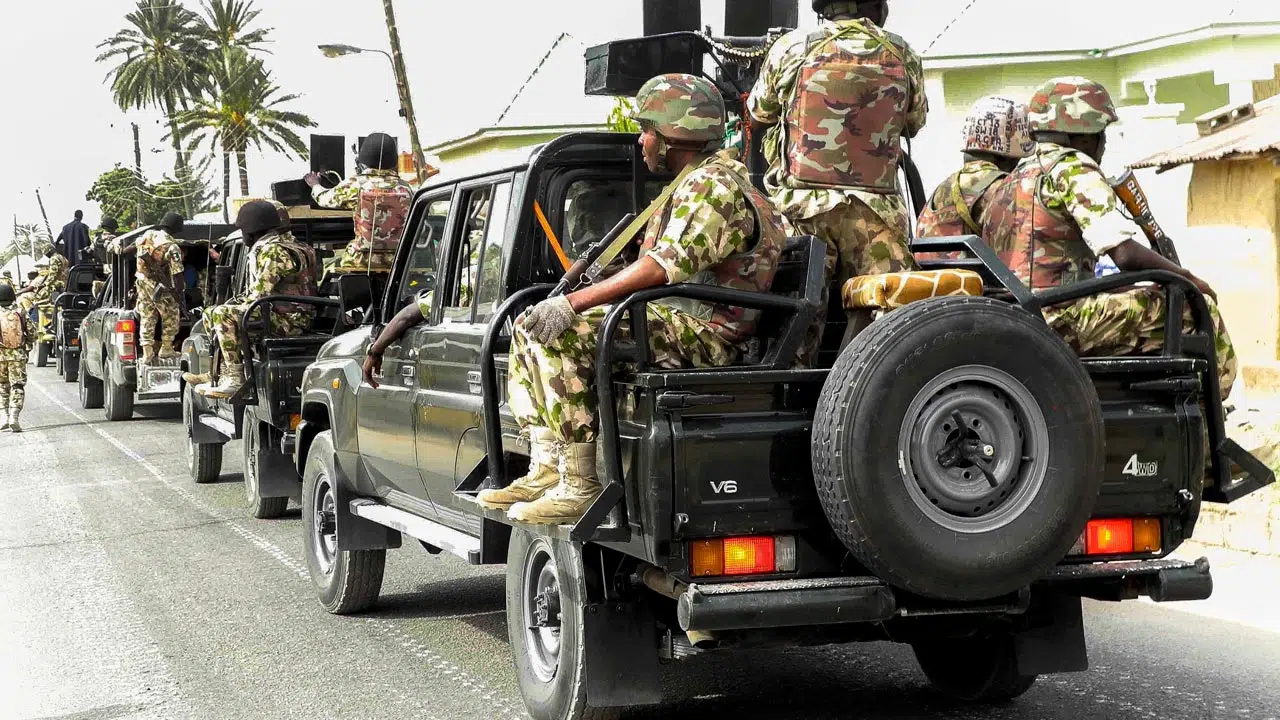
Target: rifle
(1130, 193)
(573, 276)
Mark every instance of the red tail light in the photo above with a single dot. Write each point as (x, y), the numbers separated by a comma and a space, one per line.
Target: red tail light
(753, 555)
(124, 339)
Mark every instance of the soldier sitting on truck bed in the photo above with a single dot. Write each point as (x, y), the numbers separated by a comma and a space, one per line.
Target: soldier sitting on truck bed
(278, 265)
(1056, 213)
(379, 200)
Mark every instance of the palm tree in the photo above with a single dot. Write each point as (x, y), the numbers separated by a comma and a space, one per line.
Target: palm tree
(158, 64)
(245, 108)
(226, 22)
(31, 240)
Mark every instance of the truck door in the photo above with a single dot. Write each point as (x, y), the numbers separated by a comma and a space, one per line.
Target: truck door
(385, 415)
(449, 399)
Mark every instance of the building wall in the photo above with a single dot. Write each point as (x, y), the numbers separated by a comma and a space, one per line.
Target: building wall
(488, 145)
(1232, 219)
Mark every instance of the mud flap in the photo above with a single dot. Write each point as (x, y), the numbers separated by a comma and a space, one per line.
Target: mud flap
(353, 531)
(1059, 646)
(622, 655)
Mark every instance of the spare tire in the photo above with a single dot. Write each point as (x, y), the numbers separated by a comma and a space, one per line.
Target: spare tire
(958, 448)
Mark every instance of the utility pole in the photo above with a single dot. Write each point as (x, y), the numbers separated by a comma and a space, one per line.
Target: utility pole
(45, 215)
(402, 86)
(137, 175)
(17, 255)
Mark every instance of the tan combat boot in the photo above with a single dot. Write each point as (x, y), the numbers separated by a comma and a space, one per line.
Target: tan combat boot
(4, 420)
(193, 379)
(14, 427)
(229, 384)
(544, 459)
(168, 353)
(148, 354)
(565, 503)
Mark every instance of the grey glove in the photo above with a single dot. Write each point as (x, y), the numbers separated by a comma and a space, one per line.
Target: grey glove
(549, 319)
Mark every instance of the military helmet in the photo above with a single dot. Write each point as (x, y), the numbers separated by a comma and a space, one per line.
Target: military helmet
(6, 295)
(998, 125)
(379, 151)
(1074, 105)
(682, 107)
(257, 216)
(172, 222)
(110, 224)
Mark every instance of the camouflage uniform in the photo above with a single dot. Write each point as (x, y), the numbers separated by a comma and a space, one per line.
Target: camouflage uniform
(13, 365)
(7, 279)
(278, 265)
(159, 258)
(705, 230)
(833, 169)
(380, 201)
(1057, 213)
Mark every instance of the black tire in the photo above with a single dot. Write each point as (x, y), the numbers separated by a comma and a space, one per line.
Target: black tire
(70, 369)
(118, 400)
(90, 388)
(260, 507)
(204, 461)
(980, 669)
(42, 354)
(943, 525)
(553, 684)
(346, 581)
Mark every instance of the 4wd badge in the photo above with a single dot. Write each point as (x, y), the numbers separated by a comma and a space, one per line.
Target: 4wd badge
(1137, 468)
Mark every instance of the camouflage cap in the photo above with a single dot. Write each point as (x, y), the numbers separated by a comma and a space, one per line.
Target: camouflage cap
(1073, 105)
(682, 107)
(998, 125)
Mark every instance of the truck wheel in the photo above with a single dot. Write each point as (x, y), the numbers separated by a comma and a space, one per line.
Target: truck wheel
(119, 399)
(42, 354)
(981, 669)
(58, 366)
(70, 369)
(203, 460)
(259, 507)
(346, 581)
(546, 599)
(90, 389)
(958, 448)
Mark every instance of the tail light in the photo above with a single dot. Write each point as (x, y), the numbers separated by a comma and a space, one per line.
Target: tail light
(1119, 536)
(124, 339)
(751, 555)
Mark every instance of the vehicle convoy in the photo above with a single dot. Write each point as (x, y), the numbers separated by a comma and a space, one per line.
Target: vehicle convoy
(109, 373)
(922, 485)
(265, 414)
(72, 306)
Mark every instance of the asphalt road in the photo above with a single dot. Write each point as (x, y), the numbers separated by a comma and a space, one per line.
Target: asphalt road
(126, 591)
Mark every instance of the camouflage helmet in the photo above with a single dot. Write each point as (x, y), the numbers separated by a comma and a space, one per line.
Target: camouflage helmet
(682, 107)
(998, 125)
(1074, 105)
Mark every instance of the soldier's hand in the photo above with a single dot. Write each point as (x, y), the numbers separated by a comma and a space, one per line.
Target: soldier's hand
(1202, 285)
(549, 319)
(312, 179)
(372, 366)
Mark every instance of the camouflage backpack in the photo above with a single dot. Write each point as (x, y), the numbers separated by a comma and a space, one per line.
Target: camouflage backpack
(299, 284)
(953, 210)
(11, 328)
(381, 218)
(849, 110)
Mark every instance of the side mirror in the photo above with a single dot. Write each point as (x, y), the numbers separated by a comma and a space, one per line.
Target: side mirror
(222, 282)
(355, 293)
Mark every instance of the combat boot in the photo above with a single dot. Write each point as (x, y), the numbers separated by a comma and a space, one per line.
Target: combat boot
(148, 354)
(193, 379)
(14, 427)
(566, 502)
(168, 353)
(4, 417)
(228, 385)
(544, 459)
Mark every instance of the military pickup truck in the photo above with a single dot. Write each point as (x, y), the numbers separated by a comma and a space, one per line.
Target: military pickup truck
(72, 306)
(925, 484)
(108, 372)
(267, 411)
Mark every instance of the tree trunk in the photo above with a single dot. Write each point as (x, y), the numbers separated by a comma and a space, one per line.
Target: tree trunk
(180, 167)
(242, 161)
(402, 85)
(226, 185)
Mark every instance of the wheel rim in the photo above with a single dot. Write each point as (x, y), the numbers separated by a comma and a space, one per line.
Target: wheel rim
(973, 446)
(188, 416)
(324, 529)
(251, 465)
(540, 598)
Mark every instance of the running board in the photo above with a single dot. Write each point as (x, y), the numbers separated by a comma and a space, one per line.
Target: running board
(429, 532)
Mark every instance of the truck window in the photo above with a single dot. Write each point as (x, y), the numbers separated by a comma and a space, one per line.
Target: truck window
(470, 247)
(489, 290)
(421, 273)
(593, 206)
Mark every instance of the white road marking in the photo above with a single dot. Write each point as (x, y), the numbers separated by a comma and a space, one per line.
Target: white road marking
(436, 662)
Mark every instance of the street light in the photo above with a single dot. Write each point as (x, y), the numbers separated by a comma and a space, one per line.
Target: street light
(402, 87)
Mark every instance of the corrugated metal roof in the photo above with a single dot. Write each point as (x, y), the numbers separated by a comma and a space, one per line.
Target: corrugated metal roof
(1255, 137)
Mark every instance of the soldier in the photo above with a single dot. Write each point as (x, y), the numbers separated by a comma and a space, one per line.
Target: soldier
(106, 235)
(838, 101)
(16, 340)
(6, 278)
(49, 279)
(160, 284)
(996, 136)
(277, 265)
(380, 200)
(1056, 214)
(717, 229)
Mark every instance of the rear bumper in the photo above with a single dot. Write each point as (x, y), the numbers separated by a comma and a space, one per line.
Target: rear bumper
(829, 601)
